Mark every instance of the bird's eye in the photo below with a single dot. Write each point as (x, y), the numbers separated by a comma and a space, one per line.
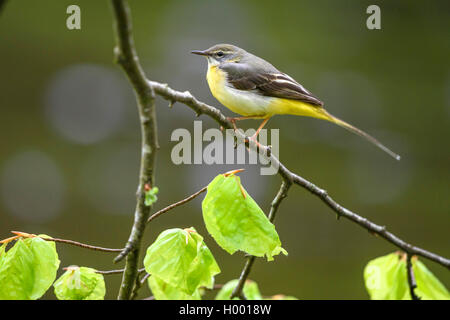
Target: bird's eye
(219, 54)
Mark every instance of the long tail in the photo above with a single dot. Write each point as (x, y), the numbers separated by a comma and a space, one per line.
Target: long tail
(359, 132)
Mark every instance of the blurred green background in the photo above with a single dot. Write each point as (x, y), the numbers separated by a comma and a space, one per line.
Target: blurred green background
(70, 138)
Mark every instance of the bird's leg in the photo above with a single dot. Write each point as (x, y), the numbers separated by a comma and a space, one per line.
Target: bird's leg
(260, 127)
(233, 120)
(253, 137)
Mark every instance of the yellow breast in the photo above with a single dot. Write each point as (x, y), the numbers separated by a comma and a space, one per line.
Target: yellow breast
(216, 80)
(243, 102)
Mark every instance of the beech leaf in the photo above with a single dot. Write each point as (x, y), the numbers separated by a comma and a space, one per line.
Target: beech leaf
(250, 290)
(236, 221)
(28, 269)
(163, 291)
(80, 283)
(181, 259)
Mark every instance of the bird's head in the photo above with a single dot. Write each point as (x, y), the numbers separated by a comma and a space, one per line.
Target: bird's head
(221, 53)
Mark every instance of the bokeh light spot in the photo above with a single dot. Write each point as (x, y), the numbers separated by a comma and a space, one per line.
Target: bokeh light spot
(32, 187)
(85, 103)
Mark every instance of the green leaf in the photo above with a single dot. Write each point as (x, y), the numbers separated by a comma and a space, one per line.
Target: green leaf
(2, 249)
(236, 221)
(28, 269)
(182, 260)
(282, 297)
(428, 286)
(386, 278)
(251, 290)
(16, 273)
(80, 283)
(163, 291)
(150, 196)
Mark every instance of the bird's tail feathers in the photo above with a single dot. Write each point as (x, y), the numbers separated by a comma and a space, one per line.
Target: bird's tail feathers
(359, 132)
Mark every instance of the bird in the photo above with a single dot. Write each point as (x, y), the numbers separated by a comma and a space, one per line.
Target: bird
(253, 88)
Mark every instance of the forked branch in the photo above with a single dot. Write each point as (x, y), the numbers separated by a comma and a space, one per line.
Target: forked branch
(126, 57)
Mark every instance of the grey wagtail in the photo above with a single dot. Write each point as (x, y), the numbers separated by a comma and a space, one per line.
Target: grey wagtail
(255, 89)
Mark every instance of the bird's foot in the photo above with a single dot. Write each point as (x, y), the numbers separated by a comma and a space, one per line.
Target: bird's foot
(254, 140)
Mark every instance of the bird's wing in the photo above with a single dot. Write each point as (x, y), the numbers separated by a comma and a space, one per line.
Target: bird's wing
(267, 83)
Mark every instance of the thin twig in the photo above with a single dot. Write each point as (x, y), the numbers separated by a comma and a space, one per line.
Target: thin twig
(82, 245)
(367, 224)
(108, 272)
(412, 284)
(238, 291)
(282, 193)
(144, 278)
(119, 271)
(19, 234)
(176, 204)
(139, 283)
(127, 58)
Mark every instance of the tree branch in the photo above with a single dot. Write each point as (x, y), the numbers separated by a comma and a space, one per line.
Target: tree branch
(176, 204)
(127, 58)
(412, 284)
(369, 225)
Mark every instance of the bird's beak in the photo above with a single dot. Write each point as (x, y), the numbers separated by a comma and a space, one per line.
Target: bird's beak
(200, 53)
